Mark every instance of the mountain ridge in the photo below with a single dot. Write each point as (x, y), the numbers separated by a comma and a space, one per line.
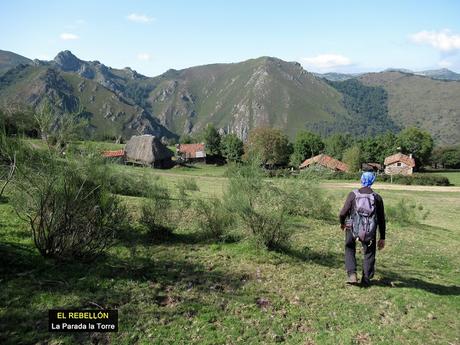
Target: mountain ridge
(237, 97)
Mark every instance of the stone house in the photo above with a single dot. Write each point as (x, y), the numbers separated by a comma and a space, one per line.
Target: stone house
(399, 164)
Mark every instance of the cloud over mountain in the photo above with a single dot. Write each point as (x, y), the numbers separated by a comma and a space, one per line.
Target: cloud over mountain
(324, 61)
(444, 40)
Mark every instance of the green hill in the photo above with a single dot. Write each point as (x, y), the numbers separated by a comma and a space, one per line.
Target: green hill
(433, 105)
(9, 60)
(109, 114)
(237, 97)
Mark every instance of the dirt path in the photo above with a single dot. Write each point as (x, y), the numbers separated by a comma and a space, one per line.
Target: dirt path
(377, 186)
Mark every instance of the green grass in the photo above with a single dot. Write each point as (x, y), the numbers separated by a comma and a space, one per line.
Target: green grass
(190, 291)
(453, 176)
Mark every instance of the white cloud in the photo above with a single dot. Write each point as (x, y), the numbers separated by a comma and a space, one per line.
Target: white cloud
(443, 40)
(144, 56)
(139, 18)
(324, 61)
(67, 36)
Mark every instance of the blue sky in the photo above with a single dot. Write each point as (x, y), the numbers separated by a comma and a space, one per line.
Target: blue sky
(153, 36)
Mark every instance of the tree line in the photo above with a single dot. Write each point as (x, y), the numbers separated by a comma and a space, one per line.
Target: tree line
(274, 149)
(271, 145)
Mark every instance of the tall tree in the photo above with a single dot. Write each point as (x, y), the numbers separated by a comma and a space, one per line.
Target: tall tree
(447, 156)
(212, 140)
(352, 157)
(387, 144)
(269, 145)
(417, 142)
(186, 139)
(306, 145)
(232, 147)
(336, 144)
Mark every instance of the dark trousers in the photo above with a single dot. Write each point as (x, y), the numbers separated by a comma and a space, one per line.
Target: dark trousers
(369, 256)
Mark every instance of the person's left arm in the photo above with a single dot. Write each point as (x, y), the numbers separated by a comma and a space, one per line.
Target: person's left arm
(346, 209)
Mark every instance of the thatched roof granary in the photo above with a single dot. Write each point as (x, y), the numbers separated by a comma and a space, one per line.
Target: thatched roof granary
(148, 150)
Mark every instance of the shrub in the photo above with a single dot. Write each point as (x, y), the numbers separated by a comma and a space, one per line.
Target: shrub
(71, 216)
(128, 184)
(414, 179)
(306, 199)
(156, 212)
(184, 186)
(405, 212)
(417, 179)
(213, 218)
(262, 207)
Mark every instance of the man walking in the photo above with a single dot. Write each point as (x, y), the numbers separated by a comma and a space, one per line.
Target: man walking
(362, 212)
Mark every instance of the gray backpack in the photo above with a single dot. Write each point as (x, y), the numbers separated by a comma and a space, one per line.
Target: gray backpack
(364, 217)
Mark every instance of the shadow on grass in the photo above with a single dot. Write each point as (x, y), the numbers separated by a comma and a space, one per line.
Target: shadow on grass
(138, 236)
(394, 280)
(331, 260)
(390, 279)
(27, 280)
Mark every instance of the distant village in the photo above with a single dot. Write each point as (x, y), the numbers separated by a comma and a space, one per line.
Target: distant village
(148, 150)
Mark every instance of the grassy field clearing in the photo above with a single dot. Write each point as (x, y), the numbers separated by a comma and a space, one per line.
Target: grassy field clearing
(190, 291)
(453, 176)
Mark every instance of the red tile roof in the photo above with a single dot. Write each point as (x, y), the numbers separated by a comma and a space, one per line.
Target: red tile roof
(117, 153)
(190, 150)
(400, 157)
(325, 161)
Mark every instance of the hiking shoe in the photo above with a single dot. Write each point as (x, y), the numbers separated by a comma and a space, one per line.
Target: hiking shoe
(365, 282)
(352, 279)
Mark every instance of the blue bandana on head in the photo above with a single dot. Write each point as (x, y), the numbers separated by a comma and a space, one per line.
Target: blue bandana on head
(367, 179)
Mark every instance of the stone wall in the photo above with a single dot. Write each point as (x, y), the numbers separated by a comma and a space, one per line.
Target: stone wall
(398, 168)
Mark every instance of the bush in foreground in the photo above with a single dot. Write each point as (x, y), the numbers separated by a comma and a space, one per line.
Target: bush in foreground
(405, 212)
(71, 217)
(214, 219)
(156, 212)
(261, 206)
(305, 198)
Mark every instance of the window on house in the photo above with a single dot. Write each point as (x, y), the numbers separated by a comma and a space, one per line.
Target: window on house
(398, 164)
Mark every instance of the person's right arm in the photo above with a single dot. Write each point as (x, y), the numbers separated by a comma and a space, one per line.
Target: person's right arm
(345, 211)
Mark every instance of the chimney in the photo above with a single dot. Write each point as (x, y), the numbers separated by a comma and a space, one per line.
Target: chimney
(410, 155)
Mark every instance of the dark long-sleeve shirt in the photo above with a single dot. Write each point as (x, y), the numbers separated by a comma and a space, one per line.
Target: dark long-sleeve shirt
(347, 209)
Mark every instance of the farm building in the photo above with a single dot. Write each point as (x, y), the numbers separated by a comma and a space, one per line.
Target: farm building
(375, 167)
(399, 164)
(148, 150)
(191, 152)
(114, 154)
(325, 161)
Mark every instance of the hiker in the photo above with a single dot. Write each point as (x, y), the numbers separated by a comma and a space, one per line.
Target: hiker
(362, 213)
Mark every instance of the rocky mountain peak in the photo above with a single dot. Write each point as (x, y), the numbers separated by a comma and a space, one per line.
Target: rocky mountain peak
(67, 61)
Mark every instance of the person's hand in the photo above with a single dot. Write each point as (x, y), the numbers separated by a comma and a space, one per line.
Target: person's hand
(381, 244)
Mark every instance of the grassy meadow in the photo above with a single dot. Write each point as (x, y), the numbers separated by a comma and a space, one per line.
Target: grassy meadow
(453, 176)
(189, 290)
